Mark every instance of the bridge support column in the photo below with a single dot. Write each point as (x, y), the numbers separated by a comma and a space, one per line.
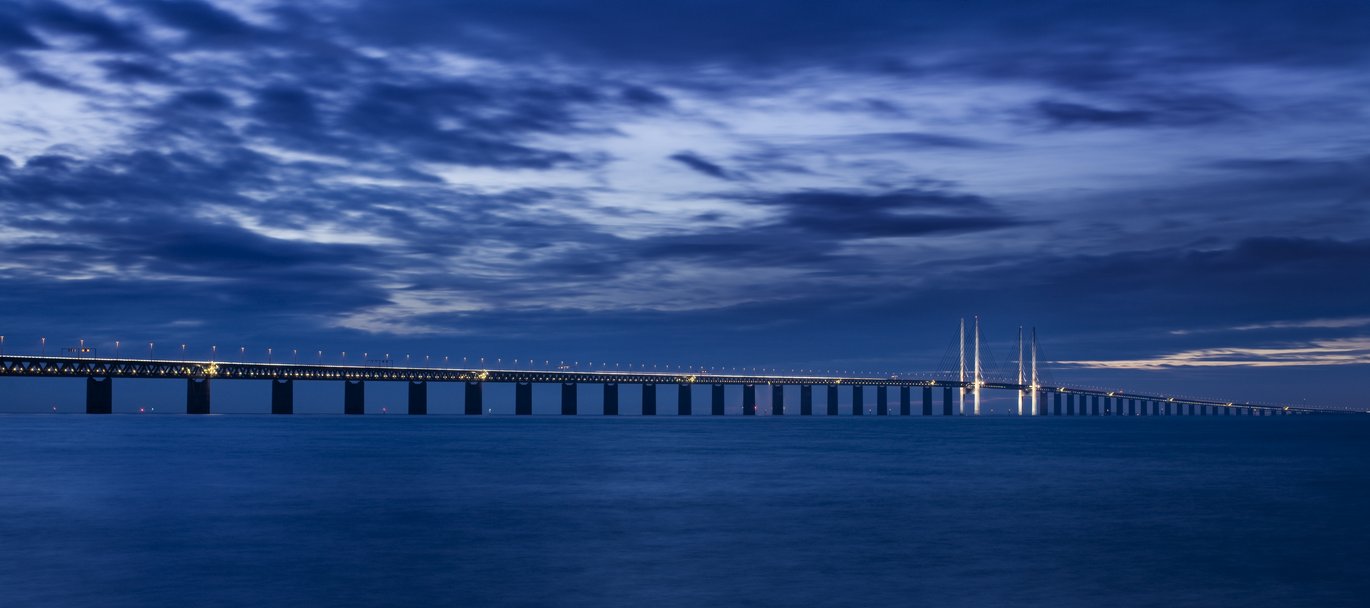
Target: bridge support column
(418, 398)
(832, 400)
(282, 396)
(777, 400)
(1055, 404)
(610, 398)
(1094, 405)
(649, 400)
(684, 399)
(475, 399)
(858, 401)
(716, 400)
(523, 399)
(569, 406)
(927, 401)
(1070, 404)
(354, 397)
(905, 402)
(882, 401)
(197, 395)
(947, 401)
(748, 399)
(806, 400)
(99, 395)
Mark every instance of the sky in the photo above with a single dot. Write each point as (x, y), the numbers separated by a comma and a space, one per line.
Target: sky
(1174, 194)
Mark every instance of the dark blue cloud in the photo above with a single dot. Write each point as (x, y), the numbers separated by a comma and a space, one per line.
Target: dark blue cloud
(704, 166)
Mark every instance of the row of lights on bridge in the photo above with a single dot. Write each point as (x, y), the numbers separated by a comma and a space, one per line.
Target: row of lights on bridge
(82, 349)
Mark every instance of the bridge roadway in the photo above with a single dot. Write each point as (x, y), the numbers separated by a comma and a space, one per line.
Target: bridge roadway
(1053, 400)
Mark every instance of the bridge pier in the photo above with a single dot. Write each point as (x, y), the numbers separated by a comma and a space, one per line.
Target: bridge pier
(1094, 405)
(832, 400)
(684, 399)
(354, 397)
(882, 401)
(649, 400)
(418, 398)
(748, 399)
(1070, 404)
(777, 400)
(197, 395)
(927, 401)
(523, 399)
(858, 401)
(806, 400)
(1055, 404)
(475, 399)
(946, 401)
(610, 398)
(99, 395)
(282, 396)
(569, 406)
(905, 403)
(716, 400)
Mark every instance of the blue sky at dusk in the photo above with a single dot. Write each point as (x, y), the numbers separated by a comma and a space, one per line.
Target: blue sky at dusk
(1175, 194)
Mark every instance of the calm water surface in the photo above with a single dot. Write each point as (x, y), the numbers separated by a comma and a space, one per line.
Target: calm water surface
(395, 511)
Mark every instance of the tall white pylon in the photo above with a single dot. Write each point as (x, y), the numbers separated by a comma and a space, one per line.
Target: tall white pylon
(1020, 370)
(961, 392)
(1036, 409)
(978, 375)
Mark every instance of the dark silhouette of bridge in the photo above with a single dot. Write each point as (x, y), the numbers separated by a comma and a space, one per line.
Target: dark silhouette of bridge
(935, 396)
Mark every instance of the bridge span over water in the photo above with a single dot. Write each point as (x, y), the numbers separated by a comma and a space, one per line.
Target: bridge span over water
(892, 395)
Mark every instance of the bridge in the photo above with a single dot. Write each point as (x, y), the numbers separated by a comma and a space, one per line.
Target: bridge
(937, 396)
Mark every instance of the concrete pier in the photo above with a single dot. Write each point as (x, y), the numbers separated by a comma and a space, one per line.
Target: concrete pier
(905, 402)
(777, 400)
(1056, 404)
(1094, 405)
(99, 395)
(610, 398)
(475, 399)
(197, 395)
(947, 409)
(354, 397)
(418, 398)
(569, 405)
(684, 399)
(806, 400)
(927, 401)
(882, 401)
(523, 399)
(1070, 404)
(748, 399)
(858, 401)
(282, 396)
(717, 403)
(648, 399)
(832, 399)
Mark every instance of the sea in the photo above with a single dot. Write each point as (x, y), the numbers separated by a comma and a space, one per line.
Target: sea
(334, 511)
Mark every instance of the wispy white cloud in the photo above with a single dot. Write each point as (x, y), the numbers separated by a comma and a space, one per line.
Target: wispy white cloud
(1344, 351)
(1326, 323)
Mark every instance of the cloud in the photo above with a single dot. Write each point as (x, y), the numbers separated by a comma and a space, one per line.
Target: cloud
(700, 164)
(1146, 112)
(1347, 351)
